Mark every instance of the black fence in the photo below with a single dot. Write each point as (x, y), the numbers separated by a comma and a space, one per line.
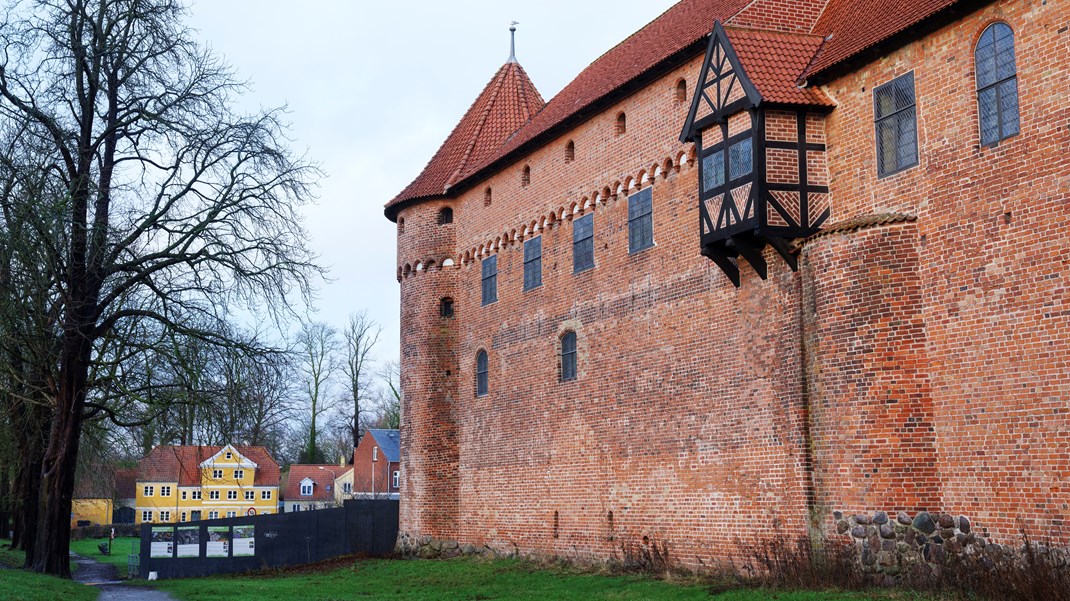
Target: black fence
(243, 544)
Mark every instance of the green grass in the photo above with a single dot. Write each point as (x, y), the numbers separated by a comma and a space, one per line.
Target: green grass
(19, 585)
(470, 580)
(87, 547)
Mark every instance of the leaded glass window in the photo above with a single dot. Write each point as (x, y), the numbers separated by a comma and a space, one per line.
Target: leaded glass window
(741, 159)
(482, 370)
(533, 263)
(713, 171)
(490, 279)
(582, 243)
(568, 356)
(640, 220)
(895, 115)
(997, 84)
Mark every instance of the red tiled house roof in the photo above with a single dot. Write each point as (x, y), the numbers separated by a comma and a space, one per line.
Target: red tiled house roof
(320, 478)
(126, 483)
(182, 464)
(849, 27)
(773, 62)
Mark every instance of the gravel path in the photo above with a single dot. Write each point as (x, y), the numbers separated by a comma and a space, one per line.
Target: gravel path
(105, 577)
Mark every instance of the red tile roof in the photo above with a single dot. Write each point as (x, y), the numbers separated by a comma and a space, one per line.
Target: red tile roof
(773, 61)
(321, 477)
(182, 464)
(850, 26)
(507, 102)
(126, 483)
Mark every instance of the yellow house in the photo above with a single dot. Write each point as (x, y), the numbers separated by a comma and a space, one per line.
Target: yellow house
(98, 491)
(187, 483)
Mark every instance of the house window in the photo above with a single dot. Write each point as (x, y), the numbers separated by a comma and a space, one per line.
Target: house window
(295, 507)
(397, 479)
(230, 455)
(183, 495)
(640, 220)
(146, 516)
(239, 474)
(482, 380)
(182, 517)
(146, 491)
(445, 308)
(490, 280)
(165, 516)
(568, 356)
(445, 216)
(533, 263)
(213, 515)
(250, 495)
(217, 474)
(232, 495)
(997, 84)
(583, 243)
(375, 453)
(306, 489)
(165, 491)
(265, 495)
(347, 487)
(713, 171)
(213, 495)
(895, 115)
(231, 514)
(570, 151)
(740, 159)
(196, 495)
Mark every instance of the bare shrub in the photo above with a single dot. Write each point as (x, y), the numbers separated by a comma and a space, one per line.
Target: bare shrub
(784, 562)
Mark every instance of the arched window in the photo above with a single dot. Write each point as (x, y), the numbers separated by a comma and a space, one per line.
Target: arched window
(486, 197)
(568, 356)
(622, 124)
(681, 90)
(525, 175)
(997, 84)
(401, 225)
(445, 216)
(482, 369)
(570, 151)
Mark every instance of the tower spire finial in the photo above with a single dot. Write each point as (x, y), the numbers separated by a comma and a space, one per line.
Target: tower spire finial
(512, 40)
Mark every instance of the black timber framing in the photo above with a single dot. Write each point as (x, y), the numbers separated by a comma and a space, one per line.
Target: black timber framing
(730, 66)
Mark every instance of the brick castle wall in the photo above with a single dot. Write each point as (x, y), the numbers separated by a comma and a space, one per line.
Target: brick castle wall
(918, 366)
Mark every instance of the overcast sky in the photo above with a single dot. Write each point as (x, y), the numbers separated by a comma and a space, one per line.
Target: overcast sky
(374, 88)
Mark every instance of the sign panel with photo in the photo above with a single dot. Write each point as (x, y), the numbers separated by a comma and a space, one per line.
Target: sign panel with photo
(162, 541)
(188, 540)
(244, 540)
(218, 541)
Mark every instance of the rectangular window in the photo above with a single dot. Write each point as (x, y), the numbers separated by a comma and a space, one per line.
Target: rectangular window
(740, 159)
(239, 474)
(250, 495)
(212, 515)
(146, 516)
(196, 495)
(490, 279)
(217, 474)
(375, 453)
(533, 263)
(397, 479)
(641, 220)
(295, 507)
(165, 491)
(165, 516)
(583, 243)
(265, 494)
(213, 495)
(146, 491)
(232, 495)
(713, 171)
(183, 495)
(182, 517)
(306, 490)
(896, 123)
(347, 487)
(231, 514)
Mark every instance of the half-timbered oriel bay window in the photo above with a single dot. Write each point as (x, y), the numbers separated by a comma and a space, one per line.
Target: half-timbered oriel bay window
(760, 142)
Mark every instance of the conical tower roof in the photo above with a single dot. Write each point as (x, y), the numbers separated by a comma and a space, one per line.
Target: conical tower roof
(507, 102)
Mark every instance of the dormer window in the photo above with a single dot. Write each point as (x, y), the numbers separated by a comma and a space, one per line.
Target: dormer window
(306, 488)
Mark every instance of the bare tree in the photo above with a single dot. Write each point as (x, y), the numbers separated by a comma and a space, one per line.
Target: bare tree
(388, 405)
(315, 347)
(174, 208)
(359, 337)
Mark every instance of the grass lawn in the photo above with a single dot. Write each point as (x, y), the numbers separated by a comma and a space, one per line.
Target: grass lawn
(469, 580)
(19, 585)
(87, 547)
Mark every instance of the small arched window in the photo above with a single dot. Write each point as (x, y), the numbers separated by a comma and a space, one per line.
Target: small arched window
(997, 84)
(568, 356)
(570, 151)
(681, 90)
(401, 225)
(445, 216)
(622, 124)
(486, 197)
(482, 369)
(525, 175)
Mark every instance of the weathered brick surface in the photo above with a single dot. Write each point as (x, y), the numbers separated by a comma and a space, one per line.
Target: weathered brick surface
(918, 366)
